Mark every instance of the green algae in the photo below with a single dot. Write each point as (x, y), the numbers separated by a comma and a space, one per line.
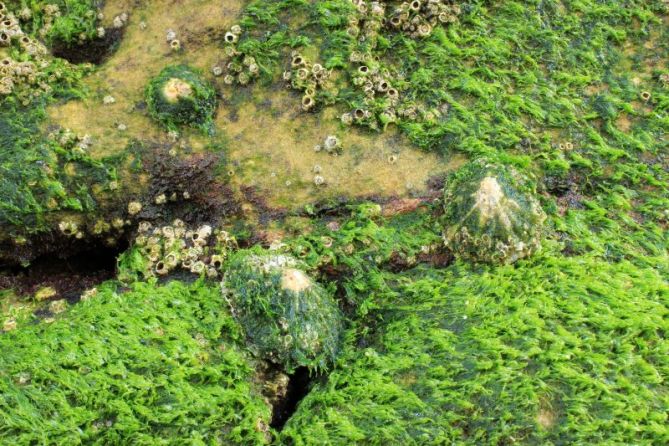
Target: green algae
(566, 348)
(158, 364)
(34, 181)
(557, 351)
(66, 22)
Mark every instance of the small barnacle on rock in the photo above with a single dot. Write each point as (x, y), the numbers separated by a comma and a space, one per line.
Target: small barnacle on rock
(25, 14)
(319, 180)
(302, 74)
(664, 78)
(58, 306)
(392, 159)
(236, 30)
(201, 235)
(332, 144)
(161, 269)
(382, 86)
(88, 294)
(359, 114)
(68, 227)
(45, 293)
(424, 29)
(171, 259)
(310, 90)
(415, 5)
(144, 227)
(198, 267)
(175, 45)
(297, 61)
(216, 261)
(134, 207)
(168, 232)
(161, 199)
(645, 96)
(109, 99)
(118, 22)
(100, 227)
(231, 37)
(308, 102)
(243, 78)
(216, 70)
(9, 324)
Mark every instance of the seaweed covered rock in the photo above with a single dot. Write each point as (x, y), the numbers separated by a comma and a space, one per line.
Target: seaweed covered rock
(151, 365)
(288, 317)
(491, 214)
(180, 96)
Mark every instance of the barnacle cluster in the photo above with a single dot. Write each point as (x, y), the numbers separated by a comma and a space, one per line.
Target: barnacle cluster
(200, 250)
(419, 17)
(51, 13)
(309, 78)
(9, 26)
(236, 66)
(23, 75)
(380, 96)
(381, 87)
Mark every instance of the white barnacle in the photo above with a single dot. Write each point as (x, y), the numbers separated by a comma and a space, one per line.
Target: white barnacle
(134, 207)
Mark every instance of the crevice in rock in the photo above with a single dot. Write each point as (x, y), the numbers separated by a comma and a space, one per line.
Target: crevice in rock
(68, 274)
(299, 385)
(94, 51)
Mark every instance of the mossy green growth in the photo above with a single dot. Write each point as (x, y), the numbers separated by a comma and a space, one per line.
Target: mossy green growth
(556, 351)
(288, 317)
(491, 214)
(180, 96)
(156, 365)
(59, 21)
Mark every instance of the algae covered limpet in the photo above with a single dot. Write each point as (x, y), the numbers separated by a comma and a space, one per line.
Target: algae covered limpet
(180, 96)
(491, 214)
(289, 318)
